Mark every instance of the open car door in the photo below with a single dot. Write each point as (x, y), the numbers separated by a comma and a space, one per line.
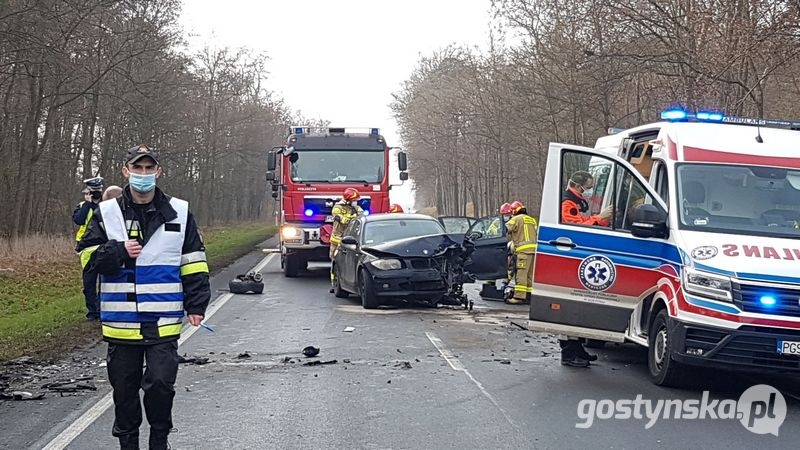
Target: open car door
(489, 260)
(590, 271)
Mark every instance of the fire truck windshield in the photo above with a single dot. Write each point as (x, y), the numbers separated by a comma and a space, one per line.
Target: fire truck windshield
(337, 166)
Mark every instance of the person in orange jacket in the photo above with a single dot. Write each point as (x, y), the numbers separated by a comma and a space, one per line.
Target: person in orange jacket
(395, 208)
(574, 209)
(574, 206)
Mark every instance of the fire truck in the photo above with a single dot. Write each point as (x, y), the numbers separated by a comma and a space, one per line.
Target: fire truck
(308, 175)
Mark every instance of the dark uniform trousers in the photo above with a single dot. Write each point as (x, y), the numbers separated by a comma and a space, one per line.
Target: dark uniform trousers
(157, 382)
(90, 292)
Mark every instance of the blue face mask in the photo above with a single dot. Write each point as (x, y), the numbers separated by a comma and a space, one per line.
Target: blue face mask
(142, 183)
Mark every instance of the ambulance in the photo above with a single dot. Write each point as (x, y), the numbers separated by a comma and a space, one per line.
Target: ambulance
(700, 259)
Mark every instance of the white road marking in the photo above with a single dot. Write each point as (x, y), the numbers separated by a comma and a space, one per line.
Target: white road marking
(84, 421)
(456, 364)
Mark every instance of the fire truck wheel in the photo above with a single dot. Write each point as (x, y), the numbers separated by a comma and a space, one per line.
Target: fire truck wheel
(294, 264)
(367, 290)
(337, 288)
(664, 371)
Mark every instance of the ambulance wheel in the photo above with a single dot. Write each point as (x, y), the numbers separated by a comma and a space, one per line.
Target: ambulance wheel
(293, 265)
(337, 288)
(664, 371)
(595, 343)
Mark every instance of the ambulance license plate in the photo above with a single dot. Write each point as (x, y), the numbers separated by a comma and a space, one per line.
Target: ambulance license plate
(328, 218)
(789, 347)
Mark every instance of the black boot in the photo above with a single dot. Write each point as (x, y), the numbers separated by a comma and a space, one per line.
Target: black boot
(575, 361)
(159, 441)
(570, 354)
(584, 354)
(129, 442)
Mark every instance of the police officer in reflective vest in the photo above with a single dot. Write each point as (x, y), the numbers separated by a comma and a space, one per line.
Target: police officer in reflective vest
(81, 216)
(343, 211)
(522, 231)
(152, 264)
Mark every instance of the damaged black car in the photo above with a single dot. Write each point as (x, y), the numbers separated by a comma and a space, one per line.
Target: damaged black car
(391, 258)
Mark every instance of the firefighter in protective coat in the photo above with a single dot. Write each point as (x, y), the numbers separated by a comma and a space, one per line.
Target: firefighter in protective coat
(522, 232)
(343, 211)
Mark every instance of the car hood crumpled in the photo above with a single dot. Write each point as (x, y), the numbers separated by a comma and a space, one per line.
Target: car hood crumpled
(414, 247)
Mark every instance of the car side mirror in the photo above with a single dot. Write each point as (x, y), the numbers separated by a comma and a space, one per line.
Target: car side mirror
(350, 242)
(275, 195)
(649, 222)
(270, 176)
(403, 176)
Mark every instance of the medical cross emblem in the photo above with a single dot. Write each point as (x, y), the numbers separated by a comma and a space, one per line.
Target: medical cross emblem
(597, 273)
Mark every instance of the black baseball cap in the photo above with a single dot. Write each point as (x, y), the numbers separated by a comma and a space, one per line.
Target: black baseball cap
(139, 152)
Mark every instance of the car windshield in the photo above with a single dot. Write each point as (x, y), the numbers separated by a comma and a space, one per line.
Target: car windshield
(389, 230)
(337, 166)
(754, 200)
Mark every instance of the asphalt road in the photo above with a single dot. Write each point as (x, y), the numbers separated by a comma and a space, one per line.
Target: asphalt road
(405, 377)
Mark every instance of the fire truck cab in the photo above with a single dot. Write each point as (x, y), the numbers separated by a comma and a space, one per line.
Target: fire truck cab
(698, 261)
(308, 175)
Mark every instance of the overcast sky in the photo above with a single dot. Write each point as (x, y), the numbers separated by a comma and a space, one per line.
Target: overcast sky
(340, 60)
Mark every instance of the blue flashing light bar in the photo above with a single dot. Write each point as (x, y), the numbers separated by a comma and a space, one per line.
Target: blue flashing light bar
(709, 116)
(373, 131)
(309, 212)
(366, 212)
(297, 130)
(674, 114)
(677, 115)
(767, 300)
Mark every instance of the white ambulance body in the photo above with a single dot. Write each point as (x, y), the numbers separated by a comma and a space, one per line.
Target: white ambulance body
(706, 271)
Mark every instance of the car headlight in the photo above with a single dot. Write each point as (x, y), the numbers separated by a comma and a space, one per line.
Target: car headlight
(707, 284)
(290, 232)
(387, 264)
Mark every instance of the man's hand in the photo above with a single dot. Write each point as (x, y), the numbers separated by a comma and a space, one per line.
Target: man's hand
(605, 214)
(87, 197)
(133, 247)
(195, 319)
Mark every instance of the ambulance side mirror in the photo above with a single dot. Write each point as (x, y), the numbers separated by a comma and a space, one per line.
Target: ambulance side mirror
(649, 222)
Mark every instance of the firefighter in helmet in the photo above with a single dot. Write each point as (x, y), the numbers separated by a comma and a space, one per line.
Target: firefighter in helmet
(505, 210)
(395, 208)
(522, 233)
(343, 211)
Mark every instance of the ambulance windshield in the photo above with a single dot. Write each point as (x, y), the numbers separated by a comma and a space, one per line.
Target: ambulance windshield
(744, 200)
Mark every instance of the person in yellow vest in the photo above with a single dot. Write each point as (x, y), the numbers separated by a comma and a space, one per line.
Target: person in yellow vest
(82, 214)
(153, 271)
(343, 211)
(522, 232)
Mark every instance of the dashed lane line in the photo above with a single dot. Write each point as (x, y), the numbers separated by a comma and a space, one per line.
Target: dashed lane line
(86, 419)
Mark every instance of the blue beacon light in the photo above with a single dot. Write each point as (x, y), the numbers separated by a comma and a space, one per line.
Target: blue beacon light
(309, 212)
(767, 300)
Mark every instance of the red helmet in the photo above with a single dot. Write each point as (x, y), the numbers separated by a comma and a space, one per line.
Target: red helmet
(350, 194)
(505, 208)
(516, 206)
(395, 208)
